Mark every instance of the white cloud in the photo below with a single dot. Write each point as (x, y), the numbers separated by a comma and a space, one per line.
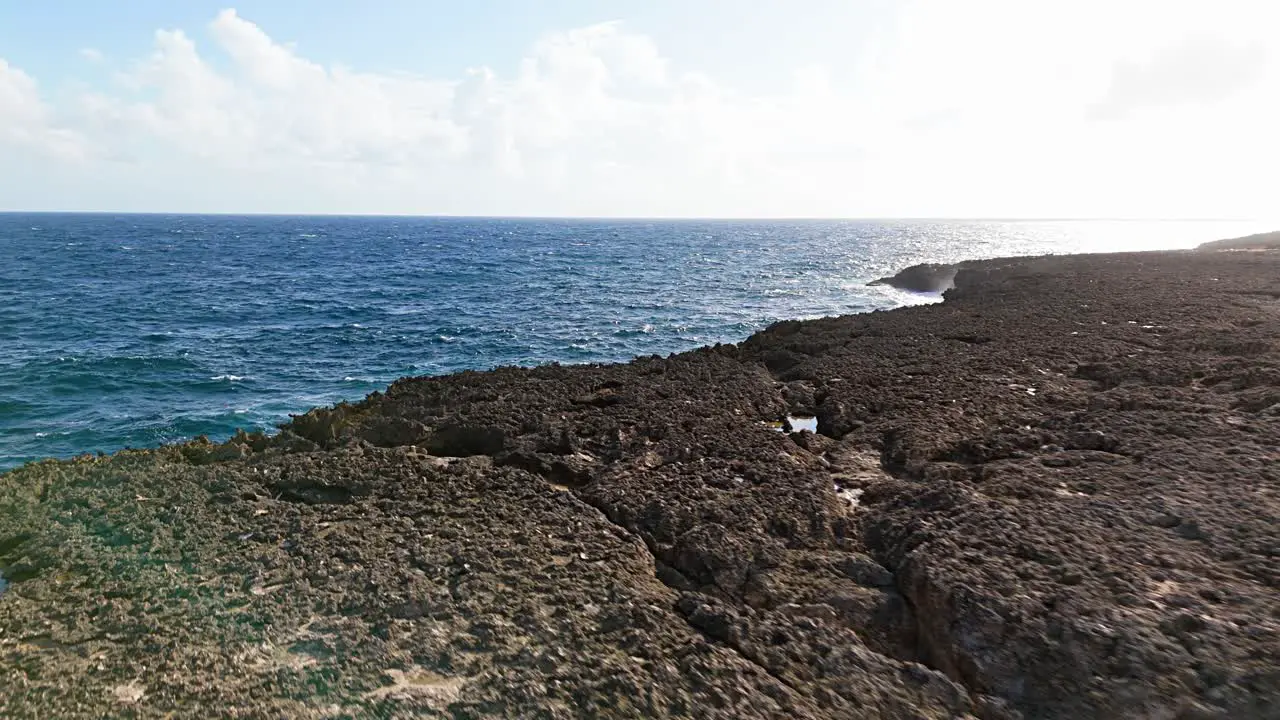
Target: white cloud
(992, 107)
(19, 101)
(26, 126)
(93, 55)
(1197, 70)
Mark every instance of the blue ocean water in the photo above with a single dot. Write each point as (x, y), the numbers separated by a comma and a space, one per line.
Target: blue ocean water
(135, 330)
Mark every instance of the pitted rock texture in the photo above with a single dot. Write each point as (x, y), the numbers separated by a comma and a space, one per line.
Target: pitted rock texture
(1053, 495)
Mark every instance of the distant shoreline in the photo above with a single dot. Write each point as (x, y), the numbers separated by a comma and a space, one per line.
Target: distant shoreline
(624, 218)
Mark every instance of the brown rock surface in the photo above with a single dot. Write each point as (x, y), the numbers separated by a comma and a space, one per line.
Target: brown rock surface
(1054, 495)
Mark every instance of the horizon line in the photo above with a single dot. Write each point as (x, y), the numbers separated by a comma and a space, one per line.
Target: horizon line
(636, 218)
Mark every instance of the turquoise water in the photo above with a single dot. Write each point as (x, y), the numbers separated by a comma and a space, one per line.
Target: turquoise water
(135, 330)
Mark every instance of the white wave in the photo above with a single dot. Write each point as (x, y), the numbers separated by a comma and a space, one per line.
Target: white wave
(231, 378)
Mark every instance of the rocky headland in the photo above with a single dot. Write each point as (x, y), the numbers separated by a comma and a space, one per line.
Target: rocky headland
(1056, 494)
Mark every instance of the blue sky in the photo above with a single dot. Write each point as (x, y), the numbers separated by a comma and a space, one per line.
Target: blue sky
(724, 37)
(859, 108)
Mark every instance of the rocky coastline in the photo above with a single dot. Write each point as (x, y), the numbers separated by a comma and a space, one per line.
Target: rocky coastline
(1056, 494)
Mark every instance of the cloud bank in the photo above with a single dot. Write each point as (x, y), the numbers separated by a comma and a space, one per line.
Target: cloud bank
(955, 109)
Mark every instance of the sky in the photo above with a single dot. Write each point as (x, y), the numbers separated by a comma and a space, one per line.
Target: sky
(643, 108)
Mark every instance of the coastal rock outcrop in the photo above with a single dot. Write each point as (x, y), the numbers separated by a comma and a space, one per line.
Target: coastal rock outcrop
(1054, 495)
(1260, 241)
(925, 278)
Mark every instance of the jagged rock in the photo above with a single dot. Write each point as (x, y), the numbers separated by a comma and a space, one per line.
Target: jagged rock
(1052, 495)
(466, 440)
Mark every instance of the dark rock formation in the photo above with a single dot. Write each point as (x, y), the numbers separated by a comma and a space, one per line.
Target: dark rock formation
(1054, 495)
(926, 278)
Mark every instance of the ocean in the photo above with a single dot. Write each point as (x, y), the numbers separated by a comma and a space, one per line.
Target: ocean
(136, 330)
